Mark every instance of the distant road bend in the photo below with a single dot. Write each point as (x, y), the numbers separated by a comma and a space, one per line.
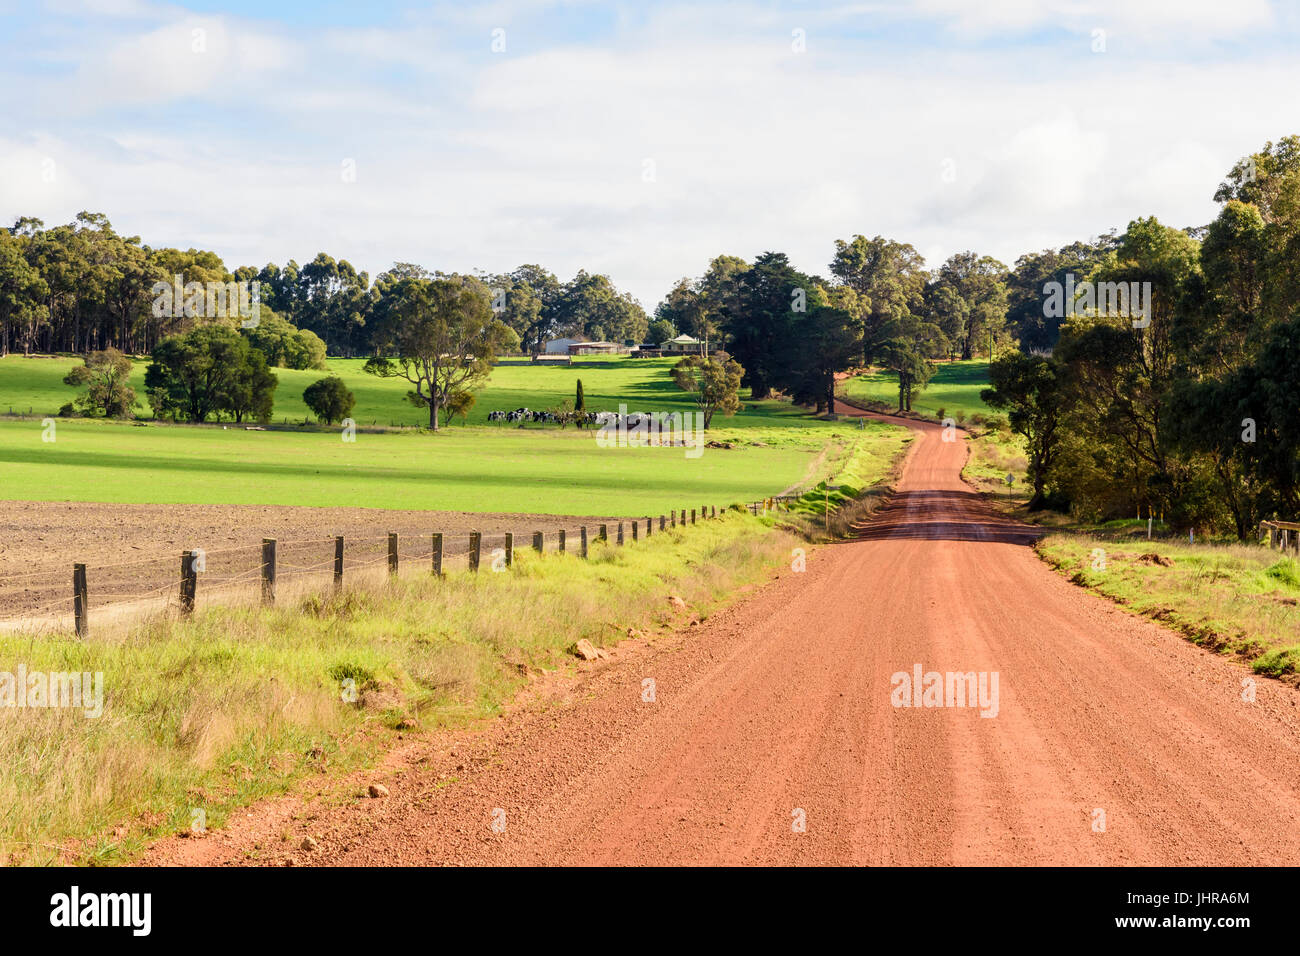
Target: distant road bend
(774, 738)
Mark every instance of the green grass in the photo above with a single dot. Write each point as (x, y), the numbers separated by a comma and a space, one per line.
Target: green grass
(241, 703)
(478, 468)
(35, 386)
(1234, 598)
(955, 388)
(473, 469)
(994, 454)
(860, 466)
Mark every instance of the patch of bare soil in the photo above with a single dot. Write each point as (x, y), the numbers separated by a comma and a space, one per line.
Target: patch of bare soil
(133, 552)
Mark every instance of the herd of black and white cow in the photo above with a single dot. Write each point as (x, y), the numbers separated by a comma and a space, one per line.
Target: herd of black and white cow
(524, 416)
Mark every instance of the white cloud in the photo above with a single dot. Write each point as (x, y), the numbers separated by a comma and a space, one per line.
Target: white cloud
(468, 160)
(188, 58)
(37, 174)
(1148, 19)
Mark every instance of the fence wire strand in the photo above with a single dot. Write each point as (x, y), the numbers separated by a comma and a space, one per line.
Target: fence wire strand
(489, 542)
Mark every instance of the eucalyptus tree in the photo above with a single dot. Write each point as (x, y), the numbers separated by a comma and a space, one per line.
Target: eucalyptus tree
(443, 340)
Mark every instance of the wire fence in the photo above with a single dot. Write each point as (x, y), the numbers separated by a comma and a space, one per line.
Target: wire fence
(284, 569)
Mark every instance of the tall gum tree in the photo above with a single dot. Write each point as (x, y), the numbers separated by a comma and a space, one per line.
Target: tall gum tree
(444, 339)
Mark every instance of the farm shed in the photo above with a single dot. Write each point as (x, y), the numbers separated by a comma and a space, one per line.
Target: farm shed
(560, 346)
(596, 348)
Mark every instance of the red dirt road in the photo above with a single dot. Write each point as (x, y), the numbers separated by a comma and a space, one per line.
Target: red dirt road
(780, 709)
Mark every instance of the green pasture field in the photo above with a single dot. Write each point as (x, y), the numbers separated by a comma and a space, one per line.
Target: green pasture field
(478, 468)
(35, 386)
(466, 469)
(955, 388)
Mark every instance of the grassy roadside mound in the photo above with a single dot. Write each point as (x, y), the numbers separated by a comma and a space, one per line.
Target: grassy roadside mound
(1233, 599)
(238, 703)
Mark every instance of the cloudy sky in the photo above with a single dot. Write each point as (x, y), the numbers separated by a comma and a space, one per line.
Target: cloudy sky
(635, 139)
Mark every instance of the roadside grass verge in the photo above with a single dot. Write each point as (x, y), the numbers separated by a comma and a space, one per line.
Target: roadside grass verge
(858, 480)
(237, 704)
(995, 452)
(1235, 599)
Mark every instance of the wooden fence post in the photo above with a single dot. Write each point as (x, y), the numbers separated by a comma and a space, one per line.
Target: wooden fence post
(510, 549)
(662, 522)
(475, 549)
(338, 562)
(649, 526)
(673, 514)
(437, 553)
(636, 528)
(189, 583)
(715, 511)
(562, 541)
(692, 516)
(539, 542)
(583, 551)
(392, 552)
(604, 533)
(620, 533)
(79, 603)
(268, 571)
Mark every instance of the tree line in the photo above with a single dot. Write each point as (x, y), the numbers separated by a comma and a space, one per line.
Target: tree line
(81, 287)
(878, 305)
(1189, 412)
